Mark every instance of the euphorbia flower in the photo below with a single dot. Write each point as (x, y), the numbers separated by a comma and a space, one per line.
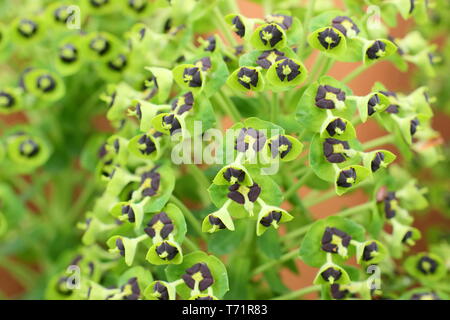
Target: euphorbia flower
(150, 182)
(346, 178)
(282, 20)
(329, 97)
(334, 150)
(269, 57)
(335, 241)
(270, 35)
(329, 38)
(249, 137)
(345, 25)
(198, 277)
(192, 77)
(183, 104)
(160, 226)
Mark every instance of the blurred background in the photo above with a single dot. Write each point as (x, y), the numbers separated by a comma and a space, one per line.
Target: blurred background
(385, 72)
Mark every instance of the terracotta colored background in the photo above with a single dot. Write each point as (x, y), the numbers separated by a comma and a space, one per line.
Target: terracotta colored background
(392, 79)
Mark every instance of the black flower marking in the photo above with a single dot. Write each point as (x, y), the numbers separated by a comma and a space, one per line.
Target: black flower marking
(337, 293)
(62, 285)
(98, 3)
(425, 296)
(373, 101)
(234, 175)
(282, 20)
(390, 205)
(29, 148)
(211, 44)
(334, 150)
(172, 122)
(280, 146)
(146, 145)
(183, 103)
(27, 28)
(271, 35)
(269, 57)
(198, 273)
(247, 77)
(427, 265)
(128, 210)
(249, 137)
(150, 182)
(408, 235)
(120, 246)
(192, 77)
(376, 50)
(204, 63)
(237, 192)
(345, 24)
(272, 216)
(346, 178)
(238, 50)
(238, 26)
(153, 87)
(62, 14)
(377, 161)
(370, 251)
(160, 291)
(329, 38)
(46, 83)
(333, 238)
(413, 126)
(6, 100)
(412, 4)
(327, 97)
(336, 126)
(132, 287)
(166, 251)
(137, 5)
(215, 221)
(205, 298)
(119, 63)
(100, 45)
(287, 69)
(331, 274)
(68, 53)
(159, 224)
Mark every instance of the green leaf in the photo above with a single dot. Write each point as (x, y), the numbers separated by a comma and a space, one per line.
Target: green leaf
(226, 241)
(269, 244)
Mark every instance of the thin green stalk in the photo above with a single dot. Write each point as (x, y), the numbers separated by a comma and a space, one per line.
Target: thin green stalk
(308, 16)
(316, 67)
(227, 107)
(293, 189)
(344, 213)
(356, 72)
(203, 182)
(313, 199)
(274, 107)
(189, 216)
(231, 104)
(190, 244)
(298, 293)
(378, 141)
(222, 26)
(286, 257)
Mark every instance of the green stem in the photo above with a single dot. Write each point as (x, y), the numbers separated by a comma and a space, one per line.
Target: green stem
(356, 72)
(190, 244)
(222, 25)
(274, 107)
(308, 16)
(344, 213)
(314, 199)
(189, 216)
(378, 142)
(203, 182)
(316, 67)
(293, 189)
(298, 293)
(228, 108)
(287, 256)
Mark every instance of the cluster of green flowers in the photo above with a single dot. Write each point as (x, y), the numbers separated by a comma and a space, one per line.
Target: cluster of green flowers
(157, 83)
